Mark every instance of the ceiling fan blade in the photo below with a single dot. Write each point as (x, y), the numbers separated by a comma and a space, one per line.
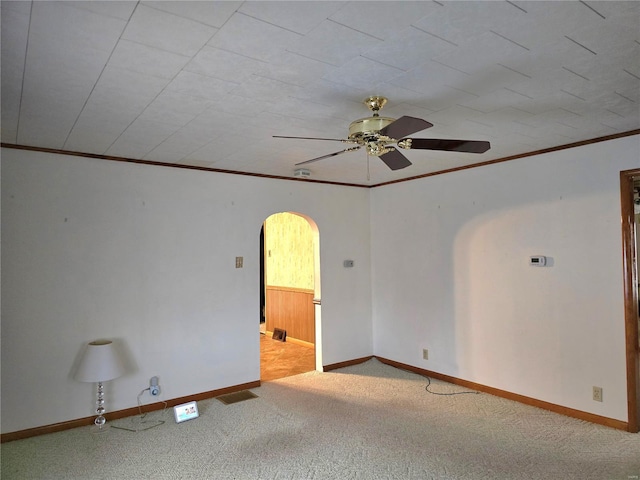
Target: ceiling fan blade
(405, 126)
(350, 149)
(467, 146)
(315, 138)
(395, 160)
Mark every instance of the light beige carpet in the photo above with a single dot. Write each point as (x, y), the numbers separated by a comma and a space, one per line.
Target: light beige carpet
(369, 421)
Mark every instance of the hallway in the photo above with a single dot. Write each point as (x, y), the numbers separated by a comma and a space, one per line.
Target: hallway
(284, 359)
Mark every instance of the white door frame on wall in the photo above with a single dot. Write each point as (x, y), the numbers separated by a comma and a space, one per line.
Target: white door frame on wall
(317, 291)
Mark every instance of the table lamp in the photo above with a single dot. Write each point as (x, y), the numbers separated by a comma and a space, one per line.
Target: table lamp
(99, 363)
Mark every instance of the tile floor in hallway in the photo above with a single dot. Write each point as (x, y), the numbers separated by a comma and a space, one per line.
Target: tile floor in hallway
(284, 359)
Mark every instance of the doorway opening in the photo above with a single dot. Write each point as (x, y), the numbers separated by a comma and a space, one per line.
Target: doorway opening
(289, 296)
(630, 208)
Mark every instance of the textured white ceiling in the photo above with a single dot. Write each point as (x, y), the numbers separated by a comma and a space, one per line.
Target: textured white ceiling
(209, 83)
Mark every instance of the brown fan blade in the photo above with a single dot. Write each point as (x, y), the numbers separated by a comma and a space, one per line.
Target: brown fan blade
(395, 160)
(467, 146)
(350, 149)
(315, 138)
(405, 126)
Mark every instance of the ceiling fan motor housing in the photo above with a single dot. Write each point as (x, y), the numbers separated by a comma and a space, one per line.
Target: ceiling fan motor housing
(365, 131)
(368, 127)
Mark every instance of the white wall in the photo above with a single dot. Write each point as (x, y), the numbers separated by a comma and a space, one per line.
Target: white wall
(146, 256)
(450, 274)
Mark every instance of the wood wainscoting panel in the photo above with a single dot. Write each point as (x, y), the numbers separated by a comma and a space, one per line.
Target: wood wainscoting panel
(291, 309)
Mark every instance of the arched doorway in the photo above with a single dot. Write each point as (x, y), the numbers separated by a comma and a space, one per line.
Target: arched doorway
(290, 296)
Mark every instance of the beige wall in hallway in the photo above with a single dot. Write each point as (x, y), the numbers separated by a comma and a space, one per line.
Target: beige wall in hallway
(289, 251)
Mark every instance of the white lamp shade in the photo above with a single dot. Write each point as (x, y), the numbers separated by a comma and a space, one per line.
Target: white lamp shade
(99, 363)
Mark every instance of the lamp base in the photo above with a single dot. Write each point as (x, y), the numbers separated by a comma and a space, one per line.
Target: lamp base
(100, 422)
(97, 430)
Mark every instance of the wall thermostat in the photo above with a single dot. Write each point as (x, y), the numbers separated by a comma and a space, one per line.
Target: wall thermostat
(347, 263)
(538, 261)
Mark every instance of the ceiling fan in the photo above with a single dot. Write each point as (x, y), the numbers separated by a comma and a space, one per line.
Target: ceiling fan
(377, 134)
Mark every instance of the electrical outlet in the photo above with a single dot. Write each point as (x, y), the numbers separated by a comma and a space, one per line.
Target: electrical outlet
(597, 394)
(154, 387)
(239, 262)
(425, 354)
